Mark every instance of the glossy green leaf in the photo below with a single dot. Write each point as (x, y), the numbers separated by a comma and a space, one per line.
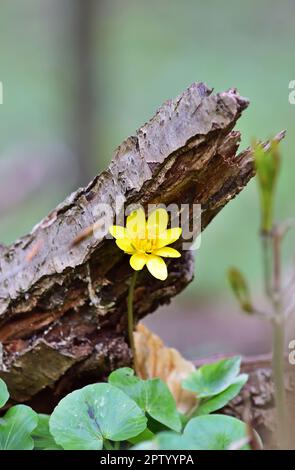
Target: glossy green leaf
(153, 396)
(146, 435)
(219, 401)
(210, 432)
(4, 395)
(212, 379)
(215, 432)
(43, 439)
(16, 427)
(84, 418)
(161, 405)
(133, 386)
(167, 440)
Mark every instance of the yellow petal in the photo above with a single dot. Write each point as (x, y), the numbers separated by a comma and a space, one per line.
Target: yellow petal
(157, 223)
(137, 261)
(136, 224)
(118, 232)
(157, 267)
(125, 245)
(168, 236)
(167, 252)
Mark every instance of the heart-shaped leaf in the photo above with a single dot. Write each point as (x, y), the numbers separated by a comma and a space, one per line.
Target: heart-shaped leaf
(167, 440)
(16, 427)
(84, 418)
(215, 432)
(133, 386)
(212, 379)
(161, 405)
(152, 396)
(144, 436)
(219, 401)
(43, 439)
(4, 395)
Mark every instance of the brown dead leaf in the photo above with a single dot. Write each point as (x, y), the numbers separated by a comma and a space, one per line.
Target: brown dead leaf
(154, 359)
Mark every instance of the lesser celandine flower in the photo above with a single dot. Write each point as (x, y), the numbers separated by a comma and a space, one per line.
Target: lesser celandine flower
(146, 241)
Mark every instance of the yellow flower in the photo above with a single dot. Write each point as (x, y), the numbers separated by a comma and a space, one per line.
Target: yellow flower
(146, 241)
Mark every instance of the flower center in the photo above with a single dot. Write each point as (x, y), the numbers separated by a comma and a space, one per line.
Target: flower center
(145, 245)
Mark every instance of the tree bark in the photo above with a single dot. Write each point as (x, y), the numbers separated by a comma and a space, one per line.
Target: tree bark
(63, 293)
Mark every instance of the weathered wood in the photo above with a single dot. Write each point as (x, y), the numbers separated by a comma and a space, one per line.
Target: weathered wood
(53, 334)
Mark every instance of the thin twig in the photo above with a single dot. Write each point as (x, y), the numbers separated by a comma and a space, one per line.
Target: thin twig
(278, 340)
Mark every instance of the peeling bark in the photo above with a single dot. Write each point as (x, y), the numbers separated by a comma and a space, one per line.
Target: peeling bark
(55, 333)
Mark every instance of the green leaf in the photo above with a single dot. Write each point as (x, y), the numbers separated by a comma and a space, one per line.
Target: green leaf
(219, 401)
(4, 395)
(212, 379)
(146, 435)
(155, 426)
(133, 386)
(161, 405)
(84, 418)
(146, 445)
(267, 163)
(43, 439)
(16, 427)
(210, 432)
(215, 432)
(152, 396)
(240, 289)
(166, 440)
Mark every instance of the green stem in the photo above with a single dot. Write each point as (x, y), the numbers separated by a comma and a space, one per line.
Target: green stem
(130, 318)
(271, 246)
(278, 375)
(279, 342)
(267, 261)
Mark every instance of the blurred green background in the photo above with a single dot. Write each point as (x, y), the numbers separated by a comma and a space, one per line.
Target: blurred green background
(80, 76)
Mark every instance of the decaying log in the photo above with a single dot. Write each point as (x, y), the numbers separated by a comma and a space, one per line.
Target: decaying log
(54, 335)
